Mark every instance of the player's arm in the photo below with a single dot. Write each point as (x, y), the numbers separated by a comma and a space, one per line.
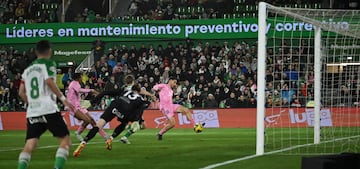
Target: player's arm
(157, 88)
(50, 82)
(22, 92)
(117, 92)
(78, 89)
(144, 92)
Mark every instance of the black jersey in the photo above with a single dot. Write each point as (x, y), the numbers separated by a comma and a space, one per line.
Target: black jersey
(114, 93)
(128, 107)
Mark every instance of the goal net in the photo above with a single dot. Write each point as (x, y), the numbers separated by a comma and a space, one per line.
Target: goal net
(310, 60)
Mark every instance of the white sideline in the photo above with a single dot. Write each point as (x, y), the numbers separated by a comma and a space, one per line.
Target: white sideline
(271, 152)
(45, 147)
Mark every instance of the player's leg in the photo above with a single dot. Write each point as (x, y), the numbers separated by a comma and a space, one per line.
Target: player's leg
(142, 124)
(33, 133)
(135, 126)
(93, 123)
(90, 135)
(86, 120)
(78, 114)
(186, 112)
(119, 129)
(25, 155)
(80, 129)
(62, 152)
(169, 112)
(58, 128)
(169, 125)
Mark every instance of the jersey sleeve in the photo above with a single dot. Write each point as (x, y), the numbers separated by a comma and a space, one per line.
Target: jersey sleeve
(158, 87)
(117, 92)
(51, 69)
(78, 89)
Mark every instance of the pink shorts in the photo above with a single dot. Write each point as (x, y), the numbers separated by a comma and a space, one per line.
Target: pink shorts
(82, 110)
(169, 110)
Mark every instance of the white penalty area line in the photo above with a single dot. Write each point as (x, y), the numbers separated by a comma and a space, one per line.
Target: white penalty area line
(45, 147)
(272, 152)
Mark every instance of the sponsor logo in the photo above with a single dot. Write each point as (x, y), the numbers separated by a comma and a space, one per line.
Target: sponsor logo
(209, 117)
(95, 115)
(273, 119)
(160, 121)
(73, 52)
(304, 117)
(308, 116)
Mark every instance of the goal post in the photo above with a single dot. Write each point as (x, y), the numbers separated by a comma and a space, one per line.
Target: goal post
(261, 80)
(308, 80)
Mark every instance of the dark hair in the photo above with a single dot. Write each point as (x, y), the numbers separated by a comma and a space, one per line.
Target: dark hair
(136, 87)
(172, 78)
(77, 75)
(43, 46)
(129, 79)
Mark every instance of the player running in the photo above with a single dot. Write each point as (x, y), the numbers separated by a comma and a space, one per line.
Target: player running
(81, 113)
(38, 89)
(168, 108)
(127, 108)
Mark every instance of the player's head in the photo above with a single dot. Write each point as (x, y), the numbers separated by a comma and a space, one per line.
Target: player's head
(136, 87)
(43, 48)
(172, 81)
(77, 76)
(129, 79)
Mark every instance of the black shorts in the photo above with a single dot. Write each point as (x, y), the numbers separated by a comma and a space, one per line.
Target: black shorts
(54, 122)
(112, 111)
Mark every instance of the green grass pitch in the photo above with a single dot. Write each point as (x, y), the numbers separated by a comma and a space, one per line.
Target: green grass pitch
(179, 149)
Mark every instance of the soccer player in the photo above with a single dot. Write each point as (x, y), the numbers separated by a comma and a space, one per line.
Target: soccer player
(127, 108)
(135, 125)
(39, 90)
(168, 108)
(81, 113)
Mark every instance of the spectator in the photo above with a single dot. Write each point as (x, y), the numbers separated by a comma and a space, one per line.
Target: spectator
(20, 10)
(133, 8)
(243, 102)
(252, 103)
(111, 61)
(197, 100)
(67, 77)
(210, 102)
(98, 47)
(232, 102)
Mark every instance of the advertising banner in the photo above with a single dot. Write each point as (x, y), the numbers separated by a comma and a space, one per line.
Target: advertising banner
(1, 127)
(154, 30)
(218, 118)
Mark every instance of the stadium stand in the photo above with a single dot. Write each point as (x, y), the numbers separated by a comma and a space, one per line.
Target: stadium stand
(211, 74)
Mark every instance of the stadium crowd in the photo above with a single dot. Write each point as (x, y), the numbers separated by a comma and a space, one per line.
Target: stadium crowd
(210, 75)
(188, 9)
(29, 11)
(45, 11)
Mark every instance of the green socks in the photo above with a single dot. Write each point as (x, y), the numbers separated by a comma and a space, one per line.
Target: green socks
(24, 159)
(60, 159)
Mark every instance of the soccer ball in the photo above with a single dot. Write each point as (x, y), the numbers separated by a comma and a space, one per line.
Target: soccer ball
(198, 128)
